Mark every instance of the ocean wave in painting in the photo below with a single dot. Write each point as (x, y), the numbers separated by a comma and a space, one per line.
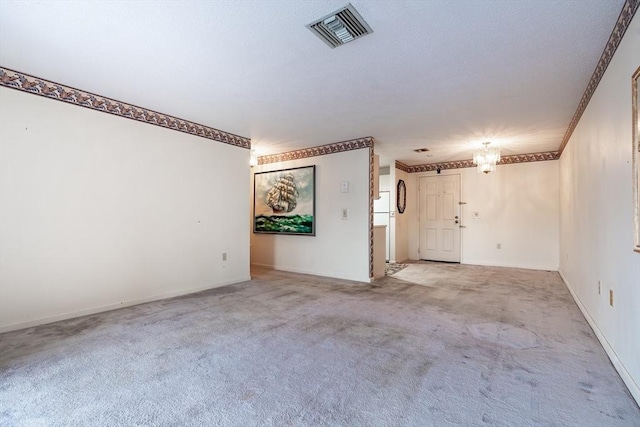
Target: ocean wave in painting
(294, 224)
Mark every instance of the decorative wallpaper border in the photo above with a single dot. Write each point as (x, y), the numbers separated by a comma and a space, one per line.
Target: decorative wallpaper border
(402, 166)
(628, 11)
(505, 160)
(372, 176)
(37, 86)
(321, 150)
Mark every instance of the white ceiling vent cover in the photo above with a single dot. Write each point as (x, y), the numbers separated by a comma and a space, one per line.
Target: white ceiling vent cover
(340, 27)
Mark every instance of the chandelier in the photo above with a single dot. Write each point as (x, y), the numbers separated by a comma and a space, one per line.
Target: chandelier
(486, 158)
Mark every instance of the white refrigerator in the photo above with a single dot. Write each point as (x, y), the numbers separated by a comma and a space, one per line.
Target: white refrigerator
(381, 209)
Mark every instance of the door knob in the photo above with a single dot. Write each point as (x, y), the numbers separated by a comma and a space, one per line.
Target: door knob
(457, 221)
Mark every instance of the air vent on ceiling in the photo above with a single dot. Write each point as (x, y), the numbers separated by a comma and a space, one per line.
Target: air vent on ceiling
(340, 27)
(421, 150)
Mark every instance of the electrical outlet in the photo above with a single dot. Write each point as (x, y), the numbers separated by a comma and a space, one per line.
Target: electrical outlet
(499, 246)
(611, 297)
(345, 213)
(599, 287)
(224, 256)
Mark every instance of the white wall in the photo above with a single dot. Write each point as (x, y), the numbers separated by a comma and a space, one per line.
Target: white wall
(518, 207)
(402, 221)
(340, 248)
(596, 221)
(98, 211)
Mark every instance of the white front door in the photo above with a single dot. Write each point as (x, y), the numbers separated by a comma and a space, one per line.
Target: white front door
(439, 218)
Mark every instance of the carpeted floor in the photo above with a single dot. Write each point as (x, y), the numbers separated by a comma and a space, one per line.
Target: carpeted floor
(432, 345)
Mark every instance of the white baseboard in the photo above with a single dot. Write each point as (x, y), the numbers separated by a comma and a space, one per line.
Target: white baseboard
(523, 266)
(313, 273)
(114, 306)
(633, 387)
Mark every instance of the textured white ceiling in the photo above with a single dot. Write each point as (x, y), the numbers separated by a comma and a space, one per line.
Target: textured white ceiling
(445, 75)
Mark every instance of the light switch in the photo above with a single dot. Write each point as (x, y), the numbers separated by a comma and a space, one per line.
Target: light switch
(344, 187)
(345, 213)
(476, 214)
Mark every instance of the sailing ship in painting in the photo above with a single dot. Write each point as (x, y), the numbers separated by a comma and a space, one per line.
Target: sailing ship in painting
(283, 196)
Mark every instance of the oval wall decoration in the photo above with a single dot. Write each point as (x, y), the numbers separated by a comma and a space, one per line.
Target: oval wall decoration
(401, 196)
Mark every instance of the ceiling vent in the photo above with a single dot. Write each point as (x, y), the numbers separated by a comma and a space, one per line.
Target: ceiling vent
(340, 27)
(421, 150)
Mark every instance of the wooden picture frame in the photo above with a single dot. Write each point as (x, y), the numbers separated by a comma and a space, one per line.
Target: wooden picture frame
(284, 201)
(635, 105)
(401, 197)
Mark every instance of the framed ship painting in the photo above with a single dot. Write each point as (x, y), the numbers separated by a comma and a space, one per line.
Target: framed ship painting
(284, 201)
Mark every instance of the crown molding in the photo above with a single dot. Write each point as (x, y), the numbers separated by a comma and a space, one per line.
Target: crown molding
(37, 86)
(321, 150)
(505, 160)
(628, 11)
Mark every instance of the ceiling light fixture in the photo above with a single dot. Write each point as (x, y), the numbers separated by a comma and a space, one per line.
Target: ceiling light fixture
(340, 27)
(486, 158)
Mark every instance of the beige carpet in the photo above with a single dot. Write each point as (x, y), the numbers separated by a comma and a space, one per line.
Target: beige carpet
(433, 345)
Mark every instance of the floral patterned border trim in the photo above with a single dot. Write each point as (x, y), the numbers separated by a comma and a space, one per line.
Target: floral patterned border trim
(628, 11)
(402, 166)
(372, 176)
(37, 86)
(321, 150)
(530, 157)
(505, 160)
